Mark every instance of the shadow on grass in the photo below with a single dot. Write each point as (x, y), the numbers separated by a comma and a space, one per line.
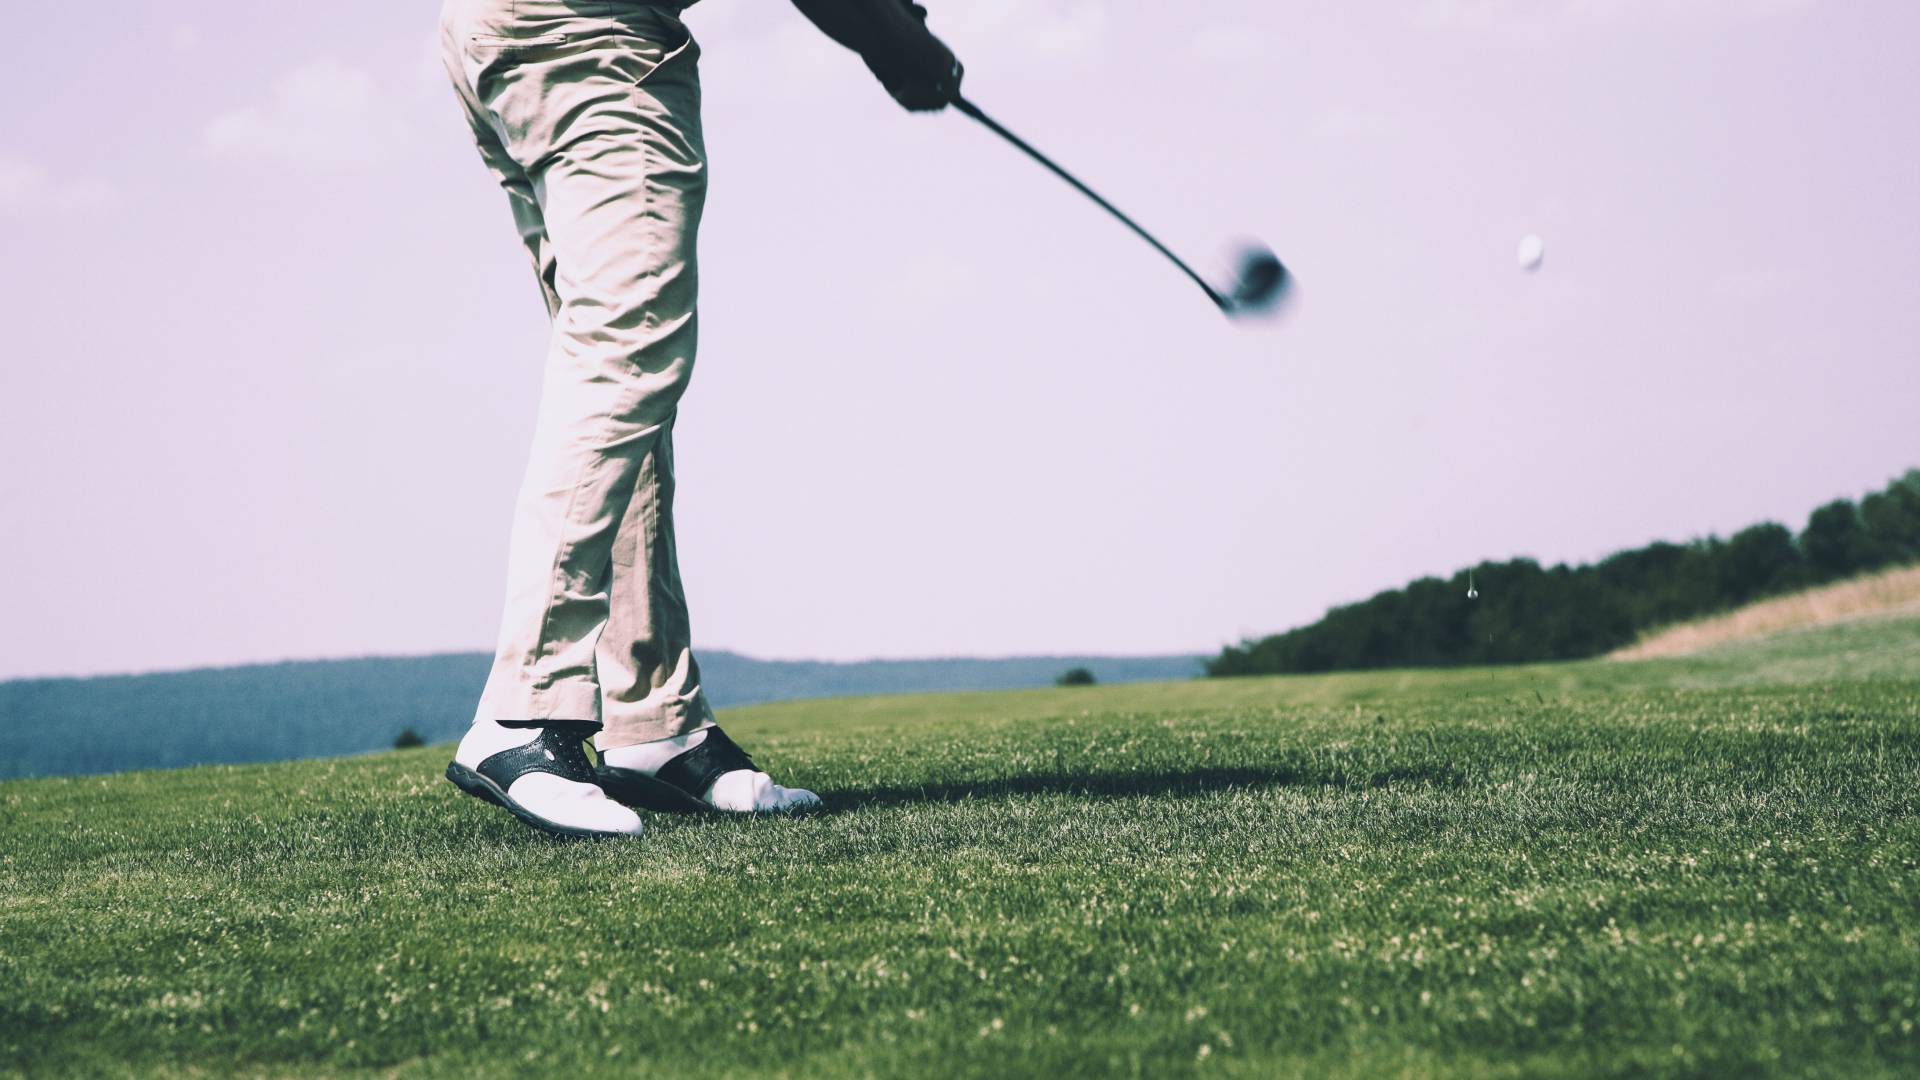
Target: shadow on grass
(1115, 785)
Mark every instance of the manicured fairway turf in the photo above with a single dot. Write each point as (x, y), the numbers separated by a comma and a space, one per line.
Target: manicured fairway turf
(1675, 868)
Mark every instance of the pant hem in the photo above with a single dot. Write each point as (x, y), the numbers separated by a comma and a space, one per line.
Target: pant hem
(652, 724)
(568, 701)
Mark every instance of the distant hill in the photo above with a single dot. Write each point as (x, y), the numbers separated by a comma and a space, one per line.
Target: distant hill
(312, 708)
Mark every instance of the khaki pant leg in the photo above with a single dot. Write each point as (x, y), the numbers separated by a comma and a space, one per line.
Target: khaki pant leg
(599, 112)
(513, 179)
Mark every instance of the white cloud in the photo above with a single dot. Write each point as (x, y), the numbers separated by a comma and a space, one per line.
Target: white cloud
(429, 69)
(1015, 27)
(1477, 16)
(1223, 41)
(19, 181)
(1046, 29)
(85, 195)
(1077, 32)
(1761, 285)
(27, 188)
(1470, 14)
(746, 50)
(324, 115)
(1341, 122)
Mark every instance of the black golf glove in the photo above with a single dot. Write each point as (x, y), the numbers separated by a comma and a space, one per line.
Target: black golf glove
(892, 37)
(916, 68)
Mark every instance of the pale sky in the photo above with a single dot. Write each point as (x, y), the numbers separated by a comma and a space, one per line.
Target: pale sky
(271, 346)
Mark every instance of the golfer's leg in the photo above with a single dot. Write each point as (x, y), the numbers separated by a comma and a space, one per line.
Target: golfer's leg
(527, 220)
(649, 680)
(512, 692)
(507, 695)
(603, 115)
(653, 707)
(534, 768)
(655, 713)
(607, 129)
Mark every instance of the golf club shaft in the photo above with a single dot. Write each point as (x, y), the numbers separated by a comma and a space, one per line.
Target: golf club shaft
(992, 125)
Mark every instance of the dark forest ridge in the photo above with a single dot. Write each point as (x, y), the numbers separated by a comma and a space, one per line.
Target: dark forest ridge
(1518, 611)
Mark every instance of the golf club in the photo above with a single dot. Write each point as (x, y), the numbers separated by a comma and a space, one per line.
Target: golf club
(1261, 278)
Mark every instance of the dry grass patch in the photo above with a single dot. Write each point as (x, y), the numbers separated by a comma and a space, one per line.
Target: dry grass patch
(1886, 593)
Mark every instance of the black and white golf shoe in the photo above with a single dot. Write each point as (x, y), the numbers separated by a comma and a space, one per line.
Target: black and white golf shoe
(539, 772)
(701, 770)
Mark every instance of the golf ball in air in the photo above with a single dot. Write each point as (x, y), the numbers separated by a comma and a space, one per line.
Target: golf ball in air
(1533, 251)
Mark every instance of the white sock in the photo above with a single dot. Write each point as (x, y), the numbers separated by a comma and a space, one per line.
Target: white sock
(742, 791)
(555, 798)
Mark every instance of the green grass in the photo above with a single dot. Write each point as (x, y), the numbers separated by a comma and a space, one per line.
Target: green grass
(1698, 867)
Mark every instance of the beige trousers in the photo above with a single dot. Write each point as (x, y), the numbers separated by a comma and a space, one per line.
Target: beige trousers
(589, 115)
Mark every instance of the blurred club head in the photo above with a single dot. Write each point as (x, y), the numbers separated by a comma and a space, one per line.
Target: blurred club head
(1260, 282)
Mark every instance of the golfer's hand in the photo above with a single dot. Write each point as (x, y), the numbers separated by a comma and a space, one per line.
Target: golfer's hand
(916, 68)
